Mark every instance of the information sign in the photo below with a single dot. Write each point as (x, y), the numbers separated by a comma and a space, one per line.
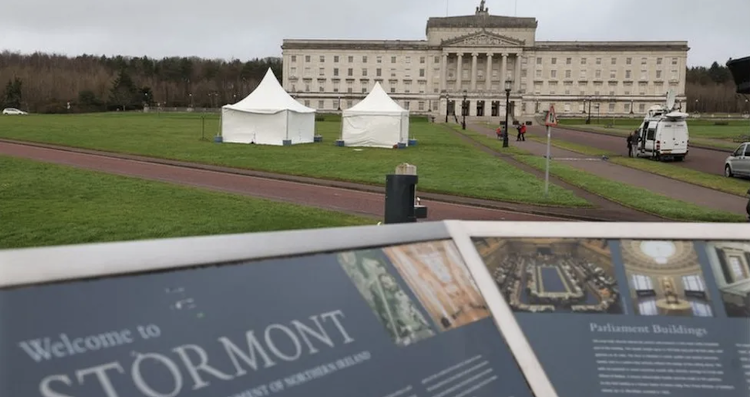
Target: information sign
(405, 320)
(631, 316)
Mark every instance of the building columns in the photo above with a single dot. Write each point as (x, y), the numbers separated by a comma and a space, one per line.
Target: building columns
(459, 70)
(474, 71)
(488, 75)
(444, 73)
(517, 74)
(503, 70)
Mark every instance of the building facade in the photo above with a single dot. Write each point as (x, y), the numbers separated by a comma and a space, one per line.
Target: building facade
(477, 56)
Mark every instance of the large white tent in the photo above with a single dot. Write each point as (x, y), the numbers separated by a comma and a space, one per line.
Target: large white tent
(268, 116)
(377, 121)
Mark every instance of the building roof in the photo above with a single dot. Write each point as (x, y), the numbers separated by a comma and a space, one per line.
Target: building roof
(481, 21)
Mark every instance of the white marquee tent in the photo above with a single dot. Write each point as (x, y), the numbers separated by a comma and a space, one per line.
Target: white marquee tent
(268, 116)
(377, 121)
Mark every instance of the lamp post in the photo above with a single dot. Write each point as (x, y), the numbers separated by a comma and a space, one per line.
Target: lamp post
(464, 110)
(339, 102)
(508, 85)
(588, 118)
(447, 105)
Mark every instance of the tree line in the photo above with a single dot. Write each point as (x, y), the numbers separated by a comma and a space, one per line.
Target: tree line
(51, 83)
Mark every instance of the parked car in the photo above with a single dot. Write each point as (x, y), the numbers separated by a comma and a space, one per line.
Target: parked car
(738, 163)
(13, 111)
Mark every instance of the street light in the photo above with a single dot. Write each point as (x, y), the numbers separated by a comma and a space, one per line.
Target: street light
(588, 118)
(464, 110)
(447, 105)
(508, 85)
(339, 102)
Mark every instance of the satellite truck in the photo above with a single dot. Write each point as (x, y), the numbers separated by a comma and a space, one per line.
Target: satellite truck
(663, 135)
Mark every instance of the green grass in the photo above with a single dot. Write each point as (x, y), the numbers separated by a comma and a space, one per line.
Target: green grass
(716, 182)
(633, 197)
(44, 204)
(446, 164)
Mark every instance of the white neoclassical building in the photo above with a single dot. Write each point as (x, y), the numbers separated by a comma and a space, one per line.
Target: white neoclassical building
(475, 55)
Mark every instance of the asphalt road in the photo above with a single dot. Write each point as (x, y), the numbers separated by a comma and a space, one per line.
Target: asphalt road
(332, 198)
(703, 160)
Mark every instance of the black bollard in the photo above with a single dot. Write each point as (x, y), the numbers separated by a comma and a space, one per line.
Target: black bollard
(400, 197)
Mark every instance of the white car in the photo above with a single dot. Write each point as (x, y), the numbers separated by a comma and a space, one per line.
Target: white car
(13, 111)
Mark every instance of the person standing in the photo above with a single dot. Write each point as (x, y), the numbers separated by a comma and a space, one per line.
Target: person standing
(523, 132)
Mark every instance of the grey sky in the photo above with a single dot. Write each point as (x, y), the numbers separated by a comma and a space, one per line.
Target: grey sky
(715, 30)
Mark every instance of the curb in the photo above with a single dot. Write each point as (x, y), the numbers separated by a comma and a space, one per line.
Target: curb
(438, 197)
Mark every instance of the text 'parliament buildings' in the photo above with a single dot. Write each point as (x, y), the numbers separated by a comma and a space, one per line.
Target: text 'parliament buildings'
(475, 55)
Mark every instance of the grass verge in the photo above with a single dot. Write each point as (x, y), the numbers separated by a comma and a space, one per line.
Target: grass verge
(629, 196)
(716, 182)
(446, 163)
(45, 204)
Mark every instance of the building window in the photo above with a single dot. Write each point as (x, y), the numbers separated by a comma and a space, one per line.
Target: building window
(611, 107)
(435, 105)
(628, 74)
(583, 73)
(364, 58)
(552, 87)
(364, 90)
(674, 61)
(523, 73)
(583, 61)
(538, 73)
(335, 59)
(393, 59)
(658, 61)
(322, 59)
(307, 87)
(598, 61)
(307, 58)
(644, 61)
(335, 72)
(407, 86)
(658, 74)
(568, 61)
(406, 105)
(349, 90)
(307, 102)
(350, 72)
(322, 72)
(350, 59)
(294, 58)
(378, 72)
(293, 71)
(364, 72)
(436, 60)
(674, 74)
(627, 108)
(393, 72)
(598, 73)
(612, 74)
(628, 61)
(554, 61)
(321, 88)
(421, 72)
(644, 74)
(568, 73)
(407, 73)
(422, 59)
(420, 105)
(614, 61)
(393, 90)
(408, 59)
(321, 104)
(539, 61)
(553, 74)
(642, 107)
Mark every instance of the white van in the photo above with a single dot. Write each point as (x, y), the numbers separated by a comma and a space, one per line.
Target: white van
(664, 137)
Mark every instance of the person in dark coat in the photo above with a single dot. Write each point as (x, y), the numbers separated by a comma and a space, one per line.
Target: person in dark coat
(632, 141)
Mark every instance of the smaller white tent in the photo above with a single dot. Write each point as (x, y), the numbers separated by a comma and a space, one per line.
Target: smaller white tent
(377, 121)
(268, 116)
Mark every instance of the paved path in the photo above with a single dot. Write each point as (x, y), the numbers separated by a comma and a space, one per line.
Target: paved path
(703, 160)
(332, 198)
(658, 184)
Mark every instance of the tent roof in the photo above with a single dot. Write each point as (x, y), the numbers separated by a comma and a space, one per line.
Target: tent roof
(269, 97)
(377, 101)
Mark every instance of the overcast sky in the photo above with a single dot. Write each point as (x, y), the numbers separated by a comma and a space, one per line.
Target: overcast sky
(714, 29)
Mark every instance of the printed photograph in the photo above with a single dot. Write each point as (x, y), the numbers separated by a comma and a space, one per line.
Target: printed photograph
(665, 278)
(730, 263)
(396, 310)
(553, 275)
(439, 278)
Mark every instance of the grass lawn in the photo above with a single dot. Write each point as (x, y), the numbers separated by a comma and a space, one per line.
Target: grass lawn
(702, 132)
(44, 204)
(627, 195)
(727, 185)
(445, 163)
